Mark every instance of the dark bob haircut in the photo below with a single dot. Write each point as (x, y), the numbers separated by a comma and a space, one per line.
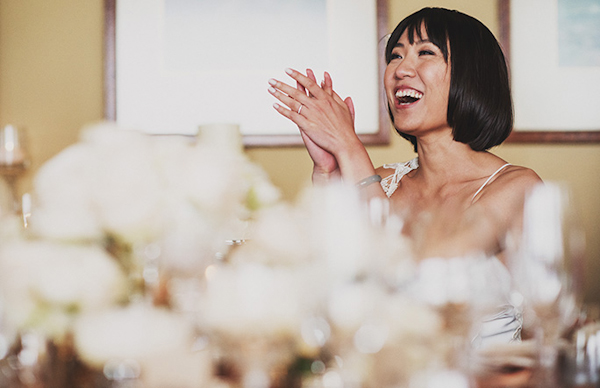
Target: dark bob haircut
(479, 105)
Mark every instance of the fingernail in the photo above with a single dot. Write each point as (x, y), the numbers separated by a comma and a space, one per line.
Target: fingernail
(289, 71)
(276, 105)
(272, 90)
(272, 82)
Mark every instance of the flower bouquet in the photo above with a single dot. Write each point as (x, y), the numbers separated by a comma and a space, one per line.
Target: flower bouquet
(166, 261)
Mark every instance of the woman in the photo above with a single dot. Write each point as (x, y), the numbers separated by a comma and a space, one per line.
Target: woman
(448, 92)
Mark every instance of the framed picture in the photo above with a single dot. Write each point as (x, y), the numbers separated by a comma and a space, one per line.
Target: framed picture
(173, 65)
(553, 48)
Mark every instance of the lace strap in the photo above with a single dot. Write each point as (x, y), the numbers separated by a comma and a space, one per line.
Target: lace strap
(390, 183)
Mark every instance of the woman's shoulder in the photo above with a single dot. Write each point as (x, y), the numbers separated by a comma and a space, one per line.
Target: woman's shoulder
(519, 176)
(503, 199)
(513, 182)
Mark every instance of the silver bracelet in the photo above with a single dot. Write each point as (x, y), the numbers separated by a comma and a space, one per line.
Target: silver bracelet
(368, 180)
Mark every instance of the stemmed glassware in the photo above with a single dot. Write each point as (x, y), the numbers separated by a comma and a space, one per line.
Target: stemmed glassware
(545, 260)
(14, 159)
(473, 289)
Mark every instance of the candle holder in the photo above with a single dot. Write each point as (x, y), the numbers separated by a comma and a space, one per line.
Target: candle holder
(14, 160)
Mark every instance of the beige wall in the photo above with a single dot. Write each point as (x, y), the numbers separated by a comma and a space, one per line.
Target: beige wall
(51, 83)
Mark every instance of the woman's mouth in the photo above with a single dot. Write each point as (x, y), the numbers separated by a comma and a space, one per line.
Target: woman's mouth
(408, 96)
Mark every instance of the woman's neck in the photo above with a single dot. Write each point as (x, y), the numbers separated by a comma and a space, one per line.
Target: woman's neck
(439, 158)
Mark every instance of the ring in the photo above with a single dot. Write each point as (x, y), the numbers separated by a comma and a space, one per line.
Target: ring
(300, 109)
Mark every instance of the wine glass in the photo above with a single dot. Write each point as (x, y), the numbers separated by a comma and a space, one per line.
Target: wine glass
(545, 259)
(468, 284)
(14, 159)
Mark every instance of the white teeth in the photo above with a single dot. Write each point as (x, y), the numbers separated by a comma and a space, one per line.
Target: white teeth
(409, 93)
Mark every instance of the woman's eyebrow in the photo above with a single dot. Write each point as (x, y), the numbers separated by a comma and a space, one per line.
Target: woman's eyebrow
(420, 41)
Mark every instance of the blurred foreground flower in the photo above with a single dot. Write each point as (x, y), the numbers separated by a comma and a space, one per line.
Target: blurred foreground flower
(171, 261)
(46, 284)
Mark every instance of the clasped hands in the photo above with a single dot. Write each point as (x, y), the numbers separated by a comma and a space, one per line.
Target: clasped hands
(325, 120)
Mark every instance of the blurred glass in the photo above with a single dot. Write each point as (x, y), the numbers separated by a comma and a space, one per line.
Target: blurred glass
(546, 263)
(582, 358)
(461, 275)
(14, 159)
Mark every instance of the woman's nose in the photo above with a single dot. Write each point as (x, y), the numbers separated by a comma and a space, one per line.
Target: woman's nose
(405, 68)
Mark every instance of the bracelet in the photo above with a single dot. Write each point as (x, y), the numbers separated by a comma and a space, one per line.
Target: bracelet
(368, 180)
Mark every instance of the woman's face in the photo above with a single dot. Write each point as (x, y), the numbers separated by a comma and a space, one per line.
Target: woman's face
(417, 84)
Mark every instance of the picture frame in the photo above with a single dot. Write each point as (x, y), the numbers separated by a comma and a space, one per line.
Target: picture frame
(375, 130)
(528, 33)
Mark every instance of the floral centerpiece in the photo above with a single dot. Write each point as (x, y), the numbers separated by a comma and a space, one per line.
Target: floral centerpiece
(172, 261)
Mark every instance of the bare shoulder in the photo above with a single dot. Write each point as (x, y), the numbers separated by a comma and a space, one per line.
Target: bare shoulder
(503, 199)
(507, 192)
(516, 179)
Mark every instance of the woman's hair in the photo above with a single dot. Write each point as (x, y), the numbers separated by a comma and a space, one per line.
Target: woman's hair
(479, 105)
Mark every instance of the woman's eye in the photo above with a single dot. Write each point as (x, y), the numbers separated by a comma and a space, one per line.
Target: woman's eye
(395, 56)
(426, 52)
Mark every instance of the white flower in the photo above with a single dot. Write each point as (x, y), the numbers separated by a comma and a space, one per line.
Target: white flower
(189, 239)
(213, 180)
(126, 188)
(45, 284)
(181, 368)
(105, 183)
(352, 304)
(255, 300)
(278, 237)
(262, 192)
(136, 332)
(408, 318)
(63, 197)
(340, 231)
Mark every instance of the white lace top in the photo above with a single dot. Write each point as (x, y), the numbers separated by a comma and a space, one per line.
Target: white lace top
(390, 183)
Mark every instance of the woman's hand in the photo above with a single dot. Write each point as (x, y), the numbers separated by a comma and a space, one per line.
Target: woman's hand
(320, 113)
(326, 167)
(326, 123)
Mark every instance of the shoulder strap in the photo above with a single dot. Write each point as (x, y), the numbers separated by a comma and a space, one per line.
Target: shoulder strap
(390, 183)
(489, 179)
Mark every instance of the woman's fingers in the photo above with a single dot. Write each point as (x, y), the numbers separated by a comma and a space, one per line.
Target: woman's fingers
(311, 106)
(350, 104)
(294, 116)
(306, 90)
(291, 97)
(309, 82)
(294, 93)
(327, 83)
(301, 87)
(327, 86)
(311, 75)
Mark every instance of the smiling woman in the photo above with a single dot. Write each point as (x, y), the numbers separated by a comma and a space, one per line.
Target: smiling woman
(478, 117)
(448, 92)
(415, 67)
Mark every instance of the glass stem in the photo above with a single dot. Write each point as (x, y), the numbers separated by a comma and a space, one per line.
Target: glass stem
(14, 193)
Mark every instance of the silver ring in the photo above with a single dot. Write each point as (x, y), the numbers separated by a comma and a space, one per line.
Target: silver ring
(300, 109)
